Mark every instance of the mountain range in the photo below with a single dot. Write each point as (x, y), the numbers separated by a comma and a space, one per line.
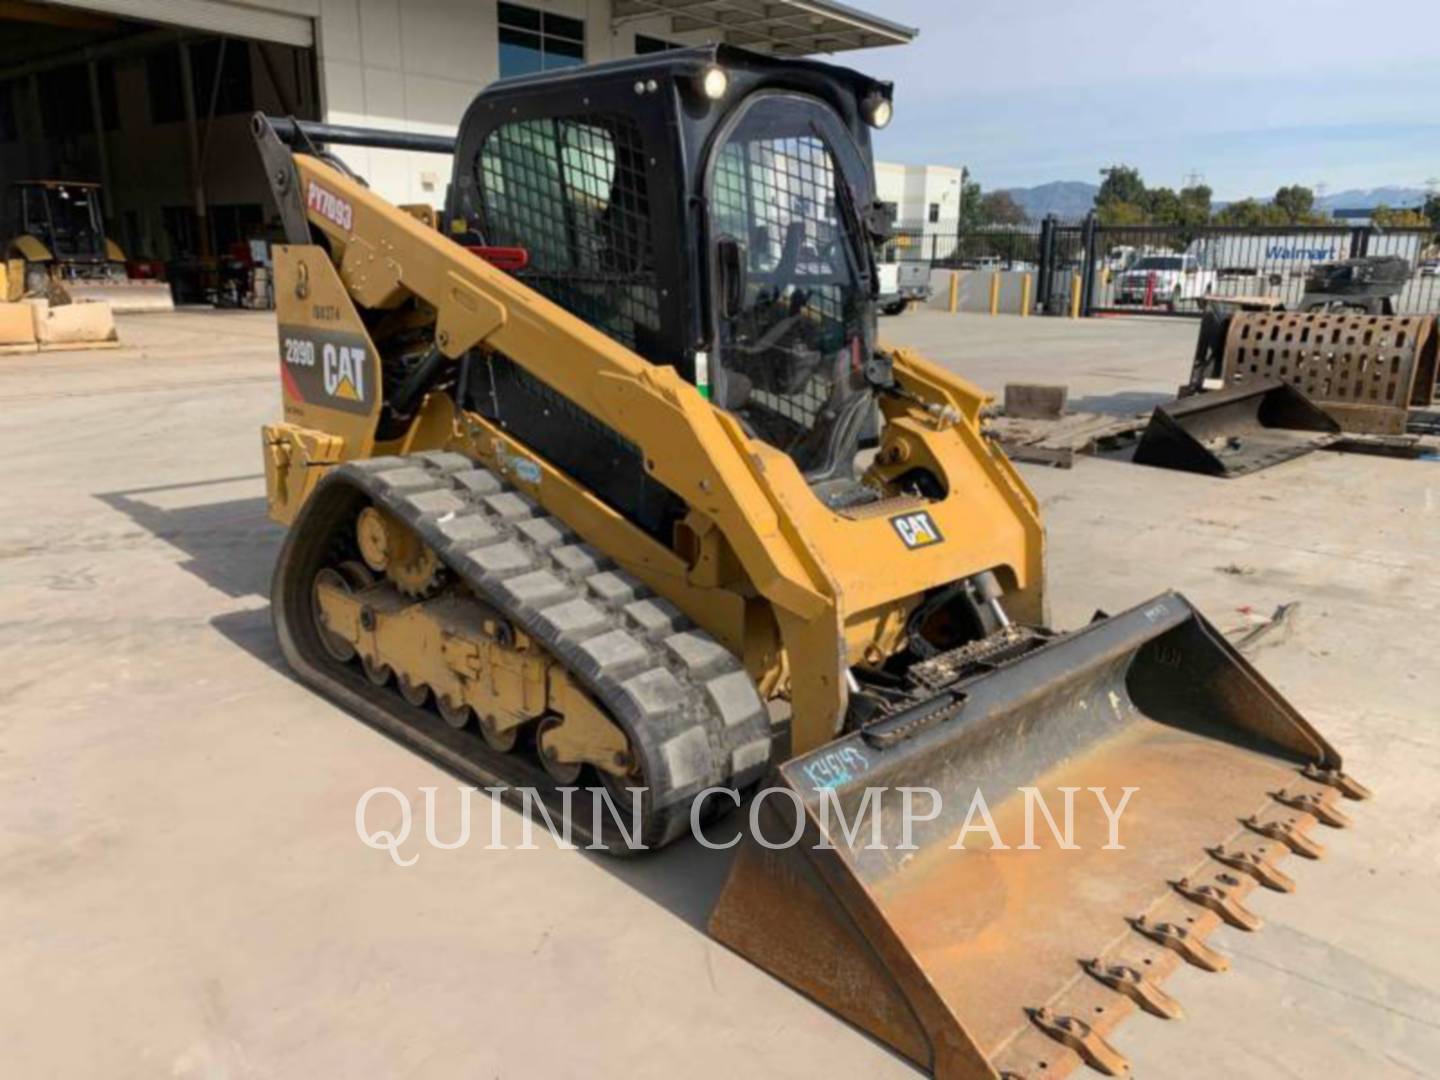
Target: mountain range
(1071, 199)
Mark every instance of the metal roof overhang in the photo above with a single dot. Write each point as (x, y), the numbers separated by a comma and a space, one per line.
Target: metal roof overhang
(783, 27)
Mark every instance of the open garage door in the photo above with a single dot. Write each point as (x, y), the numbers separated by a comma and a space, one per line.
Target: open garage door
(214, 16)
(144, 106)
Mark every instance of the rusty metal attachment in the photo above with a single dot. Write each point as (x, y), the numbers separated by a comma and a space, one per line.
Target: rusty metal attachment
(1318, 804)
(1221, 899)
(1183, 941)
(1124, 979)
(943, 941)
(1339, 780)
(1364, 370)
(1290, 834)
(1083, 1039)
(1257, 866)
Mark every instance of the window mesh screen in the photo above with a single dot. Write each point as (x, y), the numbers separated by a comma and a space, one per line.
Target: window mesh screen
(571, 190)
(777, 196)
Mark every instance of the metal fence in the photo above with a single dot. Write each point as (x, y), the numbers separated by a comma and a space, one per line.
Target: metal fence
(1140, 269)
(945, 245)
(1164, 269)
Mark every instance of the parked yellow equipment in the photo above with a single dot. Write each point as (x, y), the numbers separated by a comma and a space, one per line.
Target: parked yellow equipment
(58, 250)
(607, 515)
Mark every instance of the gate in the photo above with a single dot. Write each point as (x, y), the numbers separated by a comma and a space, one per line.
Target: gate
(1164, 269)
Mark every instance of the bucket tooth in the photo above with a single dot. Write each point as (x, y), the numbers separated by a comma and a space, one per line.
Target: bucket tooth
(1341, 781)
(1291, 833)
(1221, 897)
(1182, 941)
(1124, 979)
(1079, 1036)
(1257, 866)
(1319, 804)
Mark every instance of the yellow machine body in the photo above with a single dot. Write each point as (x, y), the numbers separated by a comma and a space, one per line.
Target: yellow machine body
(834, 586)
(445, 558)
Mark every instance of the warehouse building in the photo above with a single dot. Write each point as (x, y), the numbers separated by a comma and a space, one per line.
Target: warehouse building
(151, 98)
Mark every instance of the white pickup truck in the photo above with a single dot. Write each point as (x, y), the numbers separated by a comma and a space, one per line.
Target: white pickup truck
(1165, 280)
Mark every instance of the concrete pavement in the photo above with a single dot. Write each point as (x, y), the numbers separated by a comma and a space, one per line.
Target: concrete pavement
(182, 891)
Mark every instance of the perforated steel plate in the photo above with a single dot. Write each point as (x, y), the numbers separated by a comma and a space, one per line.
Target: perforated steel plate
(1364, 370)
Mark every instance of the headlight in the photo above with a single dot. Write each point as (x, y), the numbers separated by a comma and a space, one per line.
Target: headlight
(714, 83)
(877, 110)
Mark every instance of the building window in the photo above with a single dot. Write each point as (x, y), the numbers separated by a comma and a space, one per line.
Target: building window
(645, 45)
(934, 212)
(532, 41)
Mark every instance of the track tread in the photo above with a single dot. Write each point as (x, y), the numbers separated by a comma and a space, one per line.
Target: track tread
(685, 701)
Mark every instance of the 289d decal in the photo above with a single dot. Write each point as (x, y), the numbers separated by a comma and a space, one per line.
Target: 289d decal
(327, 369)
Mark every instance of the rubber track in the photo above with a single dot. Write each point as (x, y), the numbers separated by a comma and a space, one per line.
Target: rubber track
(690, 710)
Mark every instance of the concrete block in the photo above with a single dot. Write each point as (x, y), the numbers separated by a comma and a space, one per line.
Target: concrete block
(72, 325)
(1034, 401)
(17, 324)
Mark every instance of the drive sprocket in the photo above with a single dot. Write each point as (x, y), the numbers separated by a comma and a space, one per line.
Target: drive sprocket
(390, 547)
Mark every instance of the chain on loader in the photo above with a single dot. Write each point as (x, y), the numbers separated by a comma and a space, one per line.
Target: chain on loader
(607, 481)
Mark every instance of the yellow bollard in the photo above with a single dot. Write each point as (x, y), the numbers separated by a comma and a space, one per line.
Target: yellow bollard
(1025, 296)
(1074, 296)
(954, 291)
(995, 292)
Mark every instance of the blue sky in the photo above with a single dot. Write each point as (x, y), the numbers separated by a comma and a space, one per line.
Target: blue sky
(1251, 94)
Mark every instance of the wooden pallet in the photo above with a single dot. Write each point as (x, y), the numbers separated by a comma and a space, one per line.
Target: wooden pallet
(1056, 442)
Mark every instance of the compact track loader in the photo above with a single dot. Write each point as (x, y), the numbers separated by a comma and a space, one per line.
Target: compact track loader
(59, 250)
(608, 479)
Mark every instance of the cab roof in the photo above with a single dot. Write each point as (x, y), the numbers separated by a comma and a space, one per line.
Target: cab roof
(689, 62)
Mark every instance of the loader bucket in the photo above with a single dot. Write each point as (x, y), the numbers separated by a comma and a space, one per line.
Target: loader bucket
(1236, 430)
(990, 962)
(133, 296)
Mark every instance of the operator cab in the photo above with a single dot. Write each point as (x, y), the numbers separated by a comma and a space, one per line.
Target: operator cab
(712, 209)
(63, 215)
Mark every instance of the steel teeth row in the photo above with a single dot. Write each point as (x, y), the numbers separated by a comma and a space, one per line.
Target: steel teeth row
(1072, 1028)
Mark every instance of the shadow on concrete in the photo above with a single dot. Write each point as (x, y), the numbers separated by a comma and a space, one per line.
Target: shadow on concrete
(1124, 403)
(251, 630)
(229, 545)
(685, 878)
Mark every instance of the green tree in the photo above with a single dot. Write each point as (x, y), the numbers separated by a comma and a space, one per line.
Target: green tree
(1163, 206)
(1122, 184)
(1403, 218)
(1296, 202)
(1000, 208)
(970, 197)
(1195, 205)
(1432, 209)
(1250, 213)
(1122, 213)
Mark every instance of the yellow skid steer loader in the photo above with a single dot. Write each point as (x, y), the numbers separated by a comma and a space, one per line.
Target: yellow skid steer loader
(608, 480)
